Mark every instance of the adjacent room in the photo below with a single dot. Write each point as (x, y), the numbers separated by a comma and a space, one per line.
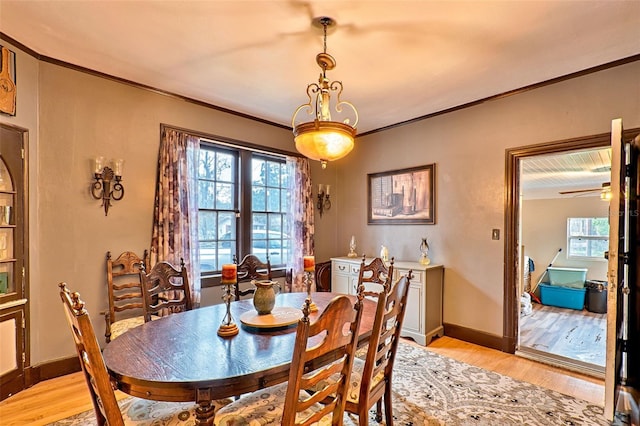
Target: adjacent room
(565, 235)
(442, 196)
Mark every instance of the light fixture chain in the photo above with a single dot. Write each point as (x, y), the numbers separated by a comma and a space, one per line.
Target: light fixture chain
(324, 24)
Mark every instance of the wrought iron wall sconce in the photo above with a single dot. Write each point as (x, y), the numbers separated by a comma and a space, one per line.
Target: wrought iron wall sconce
(105, 177)
(324, 203)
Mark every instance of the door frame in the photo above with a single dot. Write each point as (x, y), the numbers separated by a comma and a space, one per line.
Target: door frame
(513, 157)
(18, 309)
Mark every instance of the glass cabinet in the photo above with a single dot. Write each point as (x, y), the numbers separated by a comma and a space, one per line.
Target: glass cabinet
(7, 234)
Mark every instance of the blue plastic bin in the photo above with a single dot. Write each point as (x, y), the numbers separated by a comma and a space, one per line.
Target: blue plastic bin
(567, 277)
(562, 297)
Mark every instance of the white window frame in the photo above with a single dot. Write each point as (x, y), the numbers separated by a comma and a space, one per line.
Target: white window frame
(584, 237)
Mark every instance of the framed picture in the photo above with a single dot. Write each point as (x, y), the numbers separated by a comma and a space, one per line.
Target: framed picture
(7, 81)
(404, 196)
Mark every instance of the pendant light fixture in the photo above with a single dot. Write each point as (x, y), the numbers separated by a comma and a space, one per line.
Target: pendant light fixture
(322, 138)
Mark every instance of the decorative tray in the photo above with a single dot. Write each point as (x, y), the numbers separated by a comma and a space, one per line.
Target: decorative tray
(279, 317)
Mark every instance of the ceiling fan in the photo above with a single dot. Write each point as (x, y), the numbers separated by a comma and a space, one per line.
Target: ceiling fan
(604, 190)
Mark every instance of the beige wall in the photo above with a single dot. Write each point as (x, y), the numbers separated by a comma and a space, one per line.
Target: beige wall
(544, 231)
(74, 116)
(82, 116)
(468, 147)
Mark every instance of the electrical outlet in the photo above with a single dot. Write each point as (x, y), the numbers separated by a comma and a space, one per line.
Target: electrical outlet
(495, 234)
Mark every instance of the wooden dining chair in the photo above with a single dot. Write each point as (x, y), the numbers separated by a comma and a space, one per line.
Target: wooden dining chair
(323, 348)
(251, 268)
(165, 290)
(125, 294)
(101, 387)
(372, 378)
(375, 276)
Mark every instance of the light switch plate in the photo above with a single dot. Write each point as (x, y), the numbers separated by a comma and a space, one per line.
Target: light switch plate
(495, 234)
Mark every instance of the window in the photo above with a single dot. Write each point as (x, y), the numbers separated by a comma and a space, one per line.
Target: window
(241, 209)
(587, 237)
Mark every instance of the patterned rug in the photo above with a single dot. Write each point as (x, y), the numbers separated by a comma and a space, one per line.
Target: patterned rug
(430, 389)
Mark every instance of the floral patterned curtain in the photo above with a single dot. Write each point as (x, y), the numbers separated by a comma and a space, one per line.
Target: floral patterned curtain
(301, 227)
(175, 216)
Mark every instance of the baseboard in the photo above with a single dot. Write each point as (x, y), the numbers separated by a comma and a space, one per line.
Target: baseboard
(476, 337)
(11, 387)
(51, 369)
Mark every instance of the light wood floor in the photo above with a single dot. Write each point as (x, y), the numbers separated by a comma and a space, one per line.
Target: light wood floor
(576, 334)
(64, 396)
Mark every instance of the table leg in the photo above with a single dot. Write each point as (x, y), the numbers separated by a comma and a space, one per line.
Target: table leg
(205, 411)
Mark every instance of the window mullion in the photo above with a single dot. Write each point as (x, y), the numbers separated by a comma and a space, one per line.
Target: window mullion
(244, 222)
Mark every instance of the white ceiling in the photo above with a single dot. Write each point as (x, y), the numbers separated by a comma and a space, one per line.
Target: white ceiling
(398, 60)
(578, 173)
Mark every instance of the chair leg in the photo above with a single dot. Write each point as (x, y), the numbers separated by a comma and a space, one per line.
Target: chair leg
(363, 416)
(388, 407)
(379, 410)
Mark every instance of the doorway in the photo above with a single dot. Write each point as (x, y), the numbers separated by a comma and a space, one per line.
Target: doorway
(513, 206)
(563, 236)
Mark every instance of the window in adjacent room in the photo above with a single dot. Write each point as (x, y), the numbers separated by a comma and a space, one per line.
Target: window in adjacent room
(243, 203)
(587, 237)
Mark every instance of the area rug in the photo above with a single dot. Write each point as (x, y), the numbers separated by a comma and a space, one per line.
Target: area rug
(430, 389)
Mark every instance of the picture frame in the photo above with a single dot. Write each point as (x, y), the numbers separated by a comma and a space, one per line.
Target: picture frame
(405, 196)
(8, 98)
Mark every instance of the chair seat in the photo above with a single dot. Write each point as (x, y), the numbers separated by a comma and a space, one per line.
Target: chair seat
(126, 324)
(261, 408)
(353, 394)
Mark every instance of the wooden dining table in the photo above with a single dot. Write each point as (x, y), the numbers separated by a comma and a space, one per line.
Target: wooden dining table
(181, 358)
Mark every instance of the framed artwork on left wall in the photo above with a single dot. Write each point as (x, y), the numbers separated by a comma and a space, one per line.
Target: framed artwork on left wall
(8, 88)
(405, 196)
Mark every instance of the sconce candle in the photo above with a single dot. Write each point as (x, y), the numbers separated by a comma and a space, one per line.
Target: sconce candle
(229, 273)
(117, 166)
(309, 263)
(98, 164)
(324, 203)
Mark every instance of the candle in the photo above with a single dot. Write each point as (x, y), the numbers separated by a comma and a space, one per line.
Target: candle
(327, 191)
(98, 164)
(117, 166)
(309, 263)
(320, 188)
(229, 274)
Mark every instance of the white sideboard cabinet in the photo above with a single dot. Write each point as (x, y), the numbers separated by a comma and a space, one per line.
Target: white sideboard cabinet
(423, 318)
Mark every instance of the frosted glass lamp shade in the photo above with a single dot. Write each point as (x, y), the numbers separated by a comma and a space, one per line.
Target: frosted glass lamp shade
(324, 140)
